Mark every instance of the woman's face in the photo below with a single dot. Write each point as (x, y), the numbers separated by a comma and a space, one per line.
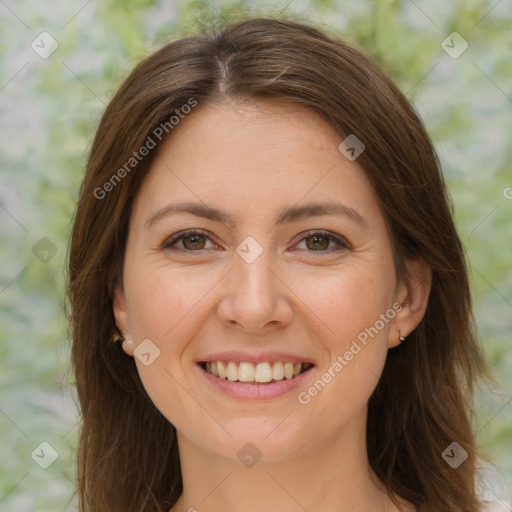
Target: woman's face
(254, 287)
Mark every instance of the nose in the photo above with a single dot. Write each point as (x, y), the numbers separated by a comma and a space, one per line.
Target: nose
(255, 298)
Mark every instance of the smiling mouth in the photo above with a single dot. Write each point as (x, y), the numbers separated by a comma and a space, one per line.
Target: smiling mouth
(260, 373)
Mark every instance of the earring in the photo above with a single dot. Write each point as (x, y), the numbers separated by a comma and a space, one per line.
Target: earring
(127, 339)
(401, 338)
(116, 337)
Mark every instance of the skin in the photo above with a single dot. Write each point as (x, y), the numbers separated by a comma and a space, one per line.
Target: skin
(252, 160)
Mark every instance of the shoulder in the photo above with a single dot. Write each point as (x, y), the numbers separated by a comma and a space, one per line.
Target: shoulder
(491, 489)
(496, 506)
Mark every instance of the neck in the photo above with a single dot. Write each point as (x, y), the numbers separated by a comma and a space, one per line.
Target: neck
(328, 475)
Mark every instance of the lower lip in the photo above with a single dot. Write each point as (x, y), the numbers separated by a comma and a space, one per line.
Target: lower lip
(255, 391)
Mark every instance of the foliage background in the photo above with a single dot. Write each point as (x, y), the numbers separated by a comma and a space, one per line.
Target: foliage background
(50, 108)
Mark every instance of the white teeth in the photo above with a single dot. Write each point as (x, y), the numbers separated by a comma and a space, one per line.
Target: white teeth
(246, 372)
(262, 372)
(278, 371)
(221, 369)
(288, 370)
(232, 371)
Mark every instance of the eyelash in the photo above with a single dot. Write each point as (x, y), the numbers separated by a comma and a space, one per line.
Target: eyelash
(169, 242)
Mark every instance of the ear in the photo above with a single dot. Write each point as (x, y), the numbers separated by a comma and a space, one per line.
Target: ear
(412, 294)
(121, 319)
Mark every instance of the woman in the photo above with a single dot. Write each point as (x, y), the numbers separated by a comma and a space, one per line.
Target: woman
(270, 303)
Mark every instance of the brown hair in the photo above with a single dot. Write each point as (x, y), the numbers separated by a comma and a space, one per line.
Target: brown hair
(423, 401)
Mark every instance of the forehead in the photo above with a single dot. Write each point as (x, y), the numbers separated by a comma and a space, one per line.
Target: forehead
(254, 157)
(261, 127)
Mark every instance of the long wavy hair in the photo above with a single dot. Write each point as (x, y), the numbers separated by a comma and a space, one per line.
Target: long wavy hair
(423, 401)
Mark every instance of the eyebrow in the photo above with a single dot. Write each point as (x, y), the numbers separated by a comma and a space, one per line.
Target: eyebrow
(286, 215)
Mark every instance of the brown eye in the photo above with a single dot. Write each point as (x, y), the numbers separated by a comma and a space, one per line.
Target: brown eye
(186, 241)
(319, 241)
(193, 242)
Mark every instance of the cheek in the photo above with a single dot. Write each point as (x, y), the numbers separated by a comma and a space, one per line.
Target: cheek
(356, 312)
(163, 303)
(347, 301)
(166, 308)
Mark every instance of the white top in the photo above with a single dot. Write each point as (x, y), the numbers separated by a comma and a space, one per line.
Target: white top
(491, 489)
(496, 506)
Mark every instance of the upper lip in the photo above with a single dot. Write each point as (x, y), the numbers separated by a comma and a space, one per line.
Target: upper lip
(255, 358)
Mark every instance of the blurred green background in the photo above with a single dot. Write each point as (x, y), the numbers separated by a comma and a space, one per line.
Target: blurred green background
(50, 106)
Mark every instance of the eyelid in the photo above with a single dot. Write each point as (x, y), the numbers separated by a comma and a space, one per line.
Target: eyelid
(176, 237)
(342, 242)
